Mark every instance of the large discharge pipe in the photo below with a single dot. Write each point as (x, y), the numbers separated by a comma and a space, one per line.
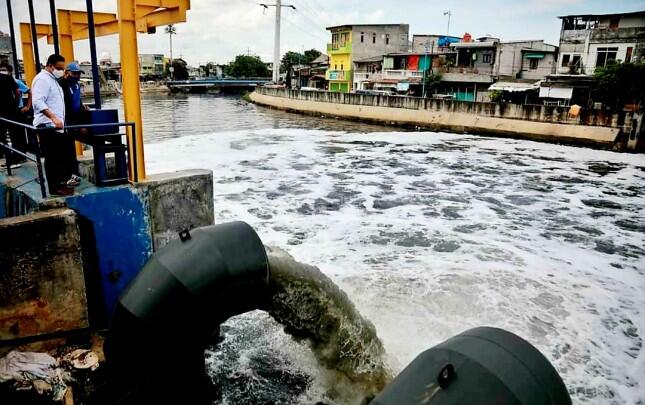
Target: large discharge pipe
(168, 315)
(480, 366)
(172, 310)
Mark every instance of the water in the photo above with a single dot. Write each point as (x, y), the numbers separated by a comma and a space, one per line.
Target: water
(429, 234)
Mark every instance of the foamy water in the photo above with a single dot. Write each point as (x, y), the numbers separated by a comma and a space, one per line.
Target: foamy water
(432, 234)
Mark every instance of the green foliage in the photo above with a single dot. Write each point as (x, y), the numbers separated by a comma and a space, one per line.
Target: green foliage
(181, 71)
(496, 96)
(208, 69)
(431, 81)
(618, 84)
(246, 66)
(291, 58)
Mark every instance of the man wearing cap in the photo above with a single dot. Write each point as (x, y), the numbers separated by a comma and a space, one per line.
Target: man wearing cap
(74, 115)
(49, 118)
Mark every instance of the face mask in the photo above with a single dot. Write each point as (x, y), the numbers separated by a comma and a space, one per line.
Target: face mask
(58, 73)
(4, 72)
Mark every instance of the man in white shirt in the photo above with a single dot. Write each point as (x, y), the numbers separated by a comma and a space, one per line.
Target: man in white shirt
(49, 112)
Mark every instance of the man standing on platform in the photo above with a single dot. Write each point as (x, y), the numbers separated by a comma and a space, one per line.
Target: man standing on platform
(9, 95)
(75, 114)
(49, 114)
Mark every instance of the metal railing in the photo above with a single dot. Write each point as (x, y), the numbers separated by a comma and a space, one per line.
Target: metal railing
(32, 139)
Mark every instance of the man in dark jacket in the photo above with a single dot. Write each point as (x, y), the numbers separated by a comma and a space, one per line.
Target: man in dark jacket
(75, 114)
(9, 98)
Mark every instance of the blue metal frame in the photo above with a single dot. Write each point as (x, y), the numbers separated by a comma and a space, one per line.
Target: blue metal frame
(34, 37)
(16, 64)
(37, 156)
(95, 66)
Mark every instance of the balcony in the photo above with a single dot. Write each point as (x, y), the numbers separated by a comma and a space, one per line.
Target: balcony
(399, 74)
(466, 74)
(339, 75)
(338, 48)
(365, 76)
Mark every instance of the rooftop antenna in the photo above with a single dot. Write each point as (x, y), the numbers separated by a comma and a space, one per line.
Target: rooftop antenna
(448, 13)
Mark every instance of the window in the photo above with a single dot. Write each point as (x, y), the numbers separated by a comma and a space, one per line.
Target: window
(362, 36)
(628, 55)
(487, 57)
(335, 67)
(341, 67)
(374, 38)
(605, 55)
(576, 60)
(565, 60)
(387, 39)
(533, 64)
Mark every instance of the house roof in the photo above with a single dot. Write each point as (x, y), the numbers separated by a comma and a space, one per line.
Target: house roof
(485, 44)
(321, 59)
(366, 25)
(604, 15)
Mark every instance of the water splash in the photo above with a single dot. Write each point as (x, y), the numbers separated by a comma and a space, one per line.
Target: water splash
(312, 308)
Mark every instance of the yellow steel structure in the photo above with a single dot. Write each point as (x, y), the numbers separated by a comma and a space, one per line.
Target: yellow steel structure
(133, 16)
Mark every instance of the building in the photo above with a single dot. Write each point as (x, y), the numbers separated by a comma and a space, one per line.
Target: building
(6, 54)
(151, 65)
(526, 60)
(431, 43)
(588, 41)
(311, 75)
(357, 42)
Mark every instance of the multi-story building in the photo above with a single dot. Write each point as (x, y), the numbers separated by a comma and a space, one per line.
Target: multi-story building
(588, 41)
(151, 64)
(6, 55)
(526, 60)
(357, 42)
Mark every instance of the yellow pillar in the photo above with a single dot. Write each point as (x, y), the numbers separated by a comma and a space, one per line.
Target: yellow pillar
(27, 53)
(130, 79)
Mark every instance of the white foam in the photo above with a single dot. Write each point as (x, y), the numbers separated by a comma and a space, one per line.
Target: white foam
(531, 264)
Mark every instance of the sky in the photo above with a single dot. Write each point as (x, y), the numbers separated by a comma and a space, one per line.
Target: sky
(218, 30)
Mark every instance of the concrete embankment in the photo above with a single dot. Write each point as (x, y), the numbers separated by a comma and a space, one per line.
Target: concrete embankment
(542, 123)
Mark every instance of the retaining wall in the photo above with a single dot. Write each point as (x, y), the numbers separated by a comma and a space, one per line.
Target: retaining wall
(527, 121)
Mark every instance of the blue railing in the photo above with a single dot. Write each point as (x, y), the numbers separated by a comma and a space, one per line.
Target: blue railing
(36, 157)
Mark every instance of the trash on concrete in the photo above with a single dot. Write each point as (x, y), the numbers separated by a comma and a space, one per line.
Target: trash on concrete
(82, 359)
(39, 371)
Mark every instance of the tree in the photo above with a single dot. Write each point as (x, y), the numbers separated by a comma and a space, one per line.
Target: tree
(311, 55)
(618, 84)
(291, 59)
(431, 81)
(180, 69)
(247, 66)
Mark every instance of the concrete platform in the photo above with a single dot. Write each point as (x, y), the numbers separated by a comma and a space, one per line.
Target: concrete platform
(120, 226)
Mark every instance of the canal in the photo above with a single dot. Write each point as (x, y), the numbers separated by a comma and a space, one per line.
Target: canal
(429, 234)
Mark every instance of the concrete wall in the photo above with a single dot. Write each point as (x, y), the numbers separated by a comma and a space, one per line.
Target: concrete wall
(532, 121)
(178, 201)
(42, 284)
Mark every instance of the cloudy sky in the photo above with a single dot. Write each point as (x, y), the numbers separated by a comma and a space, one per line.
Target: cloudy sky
(217, 30)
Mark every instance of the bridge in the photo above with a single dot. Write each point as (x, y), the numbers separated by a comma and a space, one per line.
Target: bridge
(204, 85)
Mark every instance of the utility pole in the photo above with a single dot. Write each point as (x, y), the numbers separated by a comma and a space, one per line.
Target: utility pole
(448, 13)
(276, 39)
(171, 30)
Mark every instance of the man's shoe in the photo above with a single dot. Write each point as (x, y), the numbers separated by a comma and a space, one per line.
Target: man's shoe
(13, 166)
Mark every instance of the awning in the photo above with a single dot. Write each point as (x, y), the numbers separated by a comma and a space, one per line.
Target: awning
(556, 92)
(534, 55)
(513, 86)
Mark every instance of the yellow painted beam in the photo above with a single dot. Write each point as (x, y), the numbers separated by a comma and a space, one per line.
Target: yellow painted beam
(27, 53)
(130, 82)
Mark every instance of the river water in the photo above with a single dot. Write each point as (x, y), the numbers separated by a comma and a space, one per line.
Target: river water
(429, 234)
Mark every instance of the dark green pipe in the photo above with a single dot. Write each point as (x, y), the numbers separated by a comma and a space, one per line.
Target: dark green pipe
(170, 312)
